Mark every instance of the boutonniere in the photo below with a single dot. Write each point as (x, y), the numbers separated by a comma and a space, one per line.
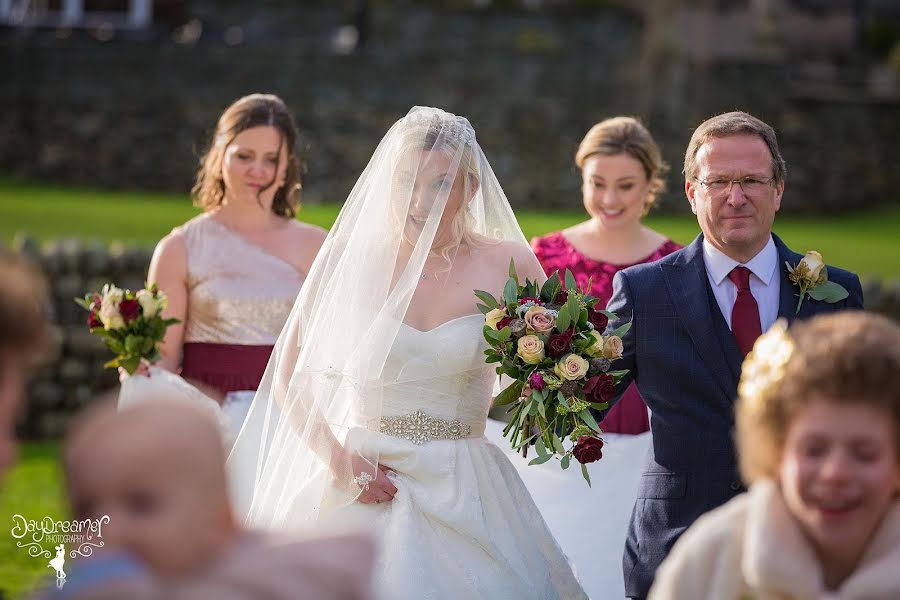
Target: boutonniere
(811, 276)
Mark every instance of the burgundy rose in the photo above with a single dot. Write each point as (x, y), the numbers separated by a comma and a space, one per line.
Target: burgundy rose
(536, 381)
(588, 449)
(561, 297)
(599, 388)
(130, 310)
(598, 320)
(560, 343)
(504, 322)
(94, 321)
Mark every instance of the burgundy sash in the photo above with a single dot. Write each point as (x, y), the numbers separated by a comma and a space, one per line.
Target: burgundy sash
(226, 367)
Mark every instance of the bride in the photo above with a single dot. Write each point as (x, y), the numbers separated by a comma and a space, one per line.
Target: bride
(374, 401)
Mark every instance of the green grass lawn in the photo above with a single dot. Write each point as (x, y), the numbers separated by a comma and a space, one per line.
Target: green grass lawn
(864, 243)
(33, 489)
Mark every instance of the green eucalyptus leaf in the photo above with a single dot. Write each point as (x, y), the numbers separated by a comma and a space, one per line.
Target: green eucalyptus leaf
(509, 395)
(130, 364)
(564, 463)
(828, 291)
(487, 299)
(584, 473)
(589, 420)
(571, 285)
(622, 329)
(511, 292)
(540, 460)
(551, 287)
(557, 443)
(512, 271)
(524, 442)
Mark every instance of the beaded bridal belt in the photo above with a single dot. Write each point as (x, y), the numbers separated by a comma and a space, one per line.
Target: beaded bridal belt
(419, 428)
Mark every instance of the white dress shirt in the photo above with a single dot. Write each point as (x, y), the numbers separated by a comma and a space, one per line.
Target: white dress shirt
(765, 285)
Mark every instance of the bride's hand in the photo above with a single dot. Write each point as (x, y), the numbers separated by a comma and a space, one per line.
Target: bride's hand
(380, 489)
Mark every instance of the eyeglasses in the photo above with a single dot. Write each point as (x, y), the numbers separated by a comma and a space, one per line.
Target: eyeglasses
(749, 185)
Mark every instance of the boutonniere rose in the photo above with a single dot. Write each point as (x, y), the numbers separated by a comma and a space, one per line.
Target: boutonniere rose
(811, 276)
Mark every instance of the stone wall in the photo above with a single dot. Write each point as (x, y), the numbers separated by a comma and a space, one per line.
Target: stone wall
(78, 376)
(133, 113)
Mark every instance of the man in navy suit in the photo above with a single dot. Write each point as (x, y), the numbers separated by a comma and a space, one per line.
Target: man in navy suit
(695, 315)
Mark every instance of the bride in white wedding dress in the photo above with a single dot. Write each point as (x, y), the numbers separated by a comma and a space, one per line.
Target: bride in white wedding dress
(375, 400)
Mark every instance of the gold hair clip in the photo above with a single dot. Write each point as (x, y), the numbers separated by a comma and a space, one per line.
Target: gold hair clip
(765, 365)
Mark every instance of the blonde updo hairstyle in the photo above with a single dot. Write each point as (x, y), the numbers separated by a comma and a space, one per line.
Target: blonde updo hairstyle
(847, 358)
(255, 110)
(627, 135)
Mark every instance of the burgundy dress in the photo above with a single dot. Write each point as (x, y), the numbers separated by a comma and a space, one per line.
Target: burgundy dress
(555, 253)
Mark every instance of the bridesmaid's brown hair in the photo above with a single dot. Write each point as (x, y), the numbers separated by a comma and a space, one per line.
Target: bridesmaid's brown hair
(255, 110)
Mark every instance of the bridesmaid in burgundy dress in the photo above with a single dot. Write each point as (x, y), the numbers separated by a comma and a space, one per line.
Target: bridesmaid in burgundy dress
(622, 174)
(232, 274)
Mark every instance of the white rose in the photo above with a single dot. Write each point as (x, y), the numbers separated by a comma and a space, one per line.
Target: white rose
(571, 367)
(147, 302)
(814, 265)
(111, 295)
(595, 349)
(493, 317)
(111, 317)
(531, 349)
(109, 314)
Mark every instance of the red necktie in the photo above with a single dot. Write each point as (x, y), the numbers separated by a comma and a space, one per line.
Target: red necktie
(745, 314)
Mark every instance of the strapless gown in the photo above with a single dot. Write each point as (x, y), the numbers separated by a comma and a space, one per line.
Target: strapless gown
(462, 524)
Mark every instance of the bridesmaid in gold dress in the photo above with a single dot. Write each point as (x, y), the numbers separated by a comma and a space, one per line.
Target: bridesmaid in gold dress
(232, 274)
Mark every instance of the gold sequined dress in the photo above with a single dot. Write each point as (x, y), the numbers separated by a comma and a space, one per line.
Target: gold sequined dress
(239, 297)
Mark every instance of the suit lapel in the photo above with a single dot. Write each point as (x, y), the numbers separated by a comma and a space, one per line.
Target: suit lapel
(687, 284)
(787, 295)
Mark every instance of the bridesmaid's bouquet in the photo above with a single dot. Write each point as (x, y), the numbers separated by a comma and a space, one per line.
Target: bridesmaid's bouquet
(131, 323)
(551, 343)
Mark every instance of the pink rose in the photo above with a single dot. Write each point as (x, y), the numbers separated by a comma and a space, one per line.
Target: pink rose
(537, 320)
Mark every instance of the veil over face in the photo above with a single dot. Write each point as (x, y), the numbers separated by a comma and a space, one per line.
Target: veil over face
(426, 223)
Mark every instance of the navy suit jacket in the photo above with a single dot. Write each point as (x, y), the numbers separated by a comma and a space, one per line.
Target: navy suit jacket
(686, 364)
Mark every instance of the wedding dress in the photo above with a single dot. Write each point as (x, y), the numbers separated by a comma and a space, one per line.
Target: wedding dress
(381, 365)
(589, 523)
(462, 524)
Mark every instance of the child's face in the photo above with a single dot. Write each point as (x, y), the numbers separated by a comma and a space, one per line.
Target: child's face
(839, 473)
(157, 508)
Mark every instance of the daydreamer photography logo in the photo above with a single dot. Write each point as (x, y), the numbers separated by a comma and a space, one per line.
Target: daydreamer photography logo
(48, 538)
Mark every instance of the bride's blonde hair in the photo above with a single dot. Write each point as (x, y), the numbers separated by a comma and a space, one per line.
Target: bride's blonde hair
(451, 137)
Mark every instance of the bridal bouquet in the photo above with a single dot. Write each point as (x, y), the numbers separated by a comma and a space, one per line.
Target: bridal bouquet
(131, 323)
(551, 343)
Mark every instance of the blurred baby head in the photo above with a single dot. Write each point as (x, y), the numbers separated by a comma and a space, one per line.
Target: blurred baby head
(24, 341)
(819, 413)
(157, 470)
